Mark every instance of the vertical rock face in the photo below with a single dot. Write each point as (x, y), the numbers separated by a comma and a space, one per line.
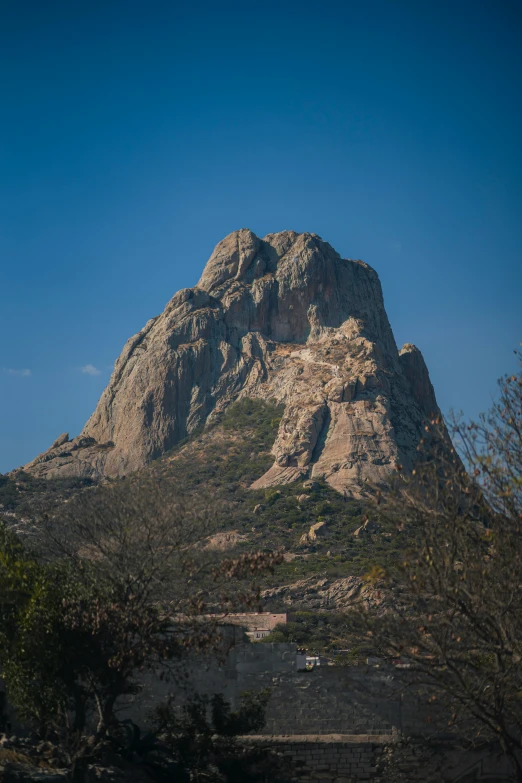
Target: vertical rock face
(285, 318)
(415, 370)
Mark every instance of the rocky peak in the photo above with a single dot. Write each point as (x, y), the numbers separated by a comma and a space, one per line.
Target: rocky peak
(283, 318)
(415, 370)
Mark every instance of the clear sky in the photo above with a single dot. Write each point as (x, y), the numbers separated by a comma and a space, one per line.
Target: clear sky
(135, 135)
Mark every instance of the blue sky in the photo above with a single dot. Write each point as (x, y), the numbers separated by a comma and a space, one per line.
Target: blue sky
(134, 136)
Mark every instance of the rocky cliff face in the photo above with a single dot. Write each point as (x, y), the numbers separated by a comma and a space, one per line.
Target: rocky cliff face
(282, 318)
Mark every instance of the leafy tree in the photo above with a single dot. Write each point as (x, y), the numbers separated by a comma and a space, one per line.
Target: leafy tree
(115, 583)
(25, 626)
(69, 644)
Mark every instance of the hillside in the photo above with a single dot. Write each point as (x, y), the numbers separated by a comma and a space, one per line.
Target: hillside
(220, 464)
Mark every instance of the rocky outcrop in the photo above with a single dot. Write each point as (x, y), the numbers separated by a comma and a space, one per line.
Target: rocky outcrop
(415, 370)
(320, 593)
(282, 318)
(318, 530)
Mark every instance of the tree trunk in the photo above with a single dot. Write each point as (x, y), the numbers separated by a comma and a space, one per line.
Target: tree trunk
(105, 712)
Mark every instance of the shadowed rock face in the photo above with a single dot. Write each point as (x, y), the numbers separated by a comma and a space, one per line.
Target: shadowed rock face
(285, 318)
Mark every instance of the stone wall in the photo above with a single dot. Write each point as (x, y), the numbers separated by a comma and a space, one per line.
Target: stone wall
(328, 759)
(350, 759)
(327, 700)
(246, 667)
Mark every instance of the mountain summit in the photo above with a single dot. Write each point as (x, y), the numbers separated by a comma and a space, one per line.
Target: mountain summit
(282, 318)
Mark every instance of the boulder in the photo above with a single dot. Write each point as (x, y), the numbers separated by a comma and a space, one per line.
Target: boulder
(64, 438)
(318, 530)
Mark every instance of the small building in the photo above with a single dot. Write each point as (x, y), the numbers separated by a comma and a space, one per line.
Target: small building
(257, 625)
(258, 633)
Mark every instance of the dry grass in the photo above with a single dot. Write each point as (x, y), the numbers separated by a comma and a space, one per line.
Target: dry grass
(227, 539)
(14, 756)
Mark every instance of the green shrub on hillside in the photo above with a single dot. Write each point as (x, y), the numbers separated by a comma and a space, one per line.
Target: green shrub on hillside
(21, 492)
(317, 632)
(262, 417)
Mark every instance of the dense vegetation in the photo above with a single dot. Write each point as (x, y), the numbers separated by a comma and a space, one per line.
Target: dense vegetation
(318, 632)
(22, 493)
